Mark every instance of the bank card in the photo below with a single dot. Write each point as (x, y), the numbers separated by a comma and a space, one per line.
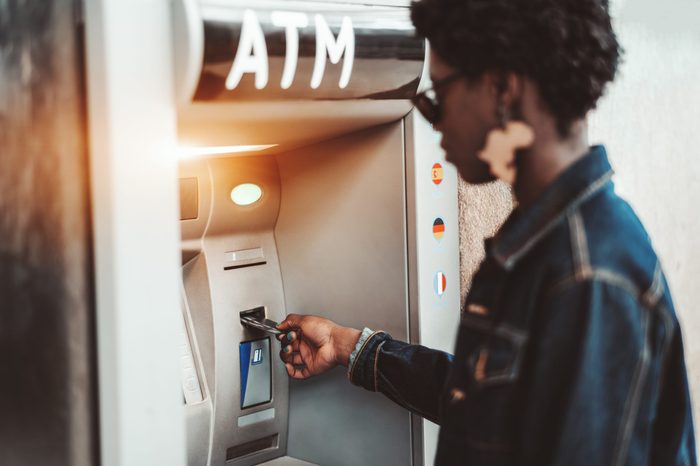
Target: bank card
(266, 325)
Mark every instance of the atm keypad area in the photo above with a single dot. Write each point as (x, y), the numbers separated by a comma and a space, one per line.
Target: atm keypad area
(230, 265)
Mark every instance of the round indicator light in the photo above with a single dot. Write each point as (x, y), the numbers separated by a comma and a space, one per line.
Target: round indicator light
(246, 194)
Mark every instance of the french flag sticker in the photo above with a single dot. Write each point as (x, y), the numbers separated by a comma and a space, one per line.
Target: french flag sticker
(440, 284)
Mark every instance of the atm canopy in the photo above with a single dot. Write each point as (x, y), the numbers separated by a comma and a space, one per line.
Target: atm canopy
(287, 73)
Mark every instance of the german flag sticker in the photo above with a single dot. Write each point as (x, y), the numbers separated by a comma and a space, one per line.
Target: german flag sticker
(440, 284)
(438, 229)
(437, 174)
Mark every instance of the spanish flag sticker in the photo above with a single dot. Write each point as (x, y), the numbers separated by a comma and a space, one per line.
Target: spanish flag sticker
(440, 284)
(437, 173)
(438, 228)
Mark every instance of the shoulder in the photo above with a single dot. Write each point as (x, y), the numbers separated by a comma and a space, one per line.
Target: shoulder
(602, 240)
(610, 251)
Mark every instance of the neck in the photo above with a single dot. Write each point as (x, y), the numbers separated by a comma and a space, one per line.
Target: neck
(539, 165)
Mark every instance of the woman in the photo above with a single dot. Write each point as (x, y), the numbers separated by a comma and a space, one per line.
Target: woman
(569, 351)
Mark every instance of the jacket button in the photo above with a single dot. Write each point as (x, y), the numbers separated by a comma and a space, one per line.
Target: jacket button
(457, 395)
(477, 309)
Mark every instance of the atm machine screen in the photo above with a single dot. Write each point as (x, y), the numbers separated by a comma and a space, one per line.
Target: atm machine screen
(256, 376)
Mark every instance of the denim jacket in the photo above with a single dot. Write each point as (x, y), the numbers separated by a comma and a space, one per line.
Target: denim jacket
(569, 351)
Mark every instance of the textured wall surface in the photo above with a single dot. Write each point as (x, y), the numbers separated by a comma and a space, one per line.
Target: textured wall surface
(482, 210)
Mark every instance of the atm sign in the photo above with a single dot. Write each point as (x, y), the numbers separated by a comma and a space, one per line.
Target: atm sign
(281, 50)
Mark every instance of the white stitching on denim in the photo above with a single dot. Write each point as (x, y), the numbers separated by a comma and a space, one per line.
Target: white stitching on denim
(629, 415)
(669, 330)
(650, 300)
(376, 359)
(598, 274)
(507, 260)
(669, 326)
(653, 294)
(579, 246)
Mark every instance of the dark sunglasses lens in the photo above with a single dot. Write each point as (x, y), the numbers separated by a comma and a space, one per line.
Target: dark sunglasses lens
(427, 108)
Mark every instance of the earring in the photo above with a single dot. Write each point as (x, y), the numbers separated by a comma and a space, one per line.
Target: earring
(501, 116)
(502, 142)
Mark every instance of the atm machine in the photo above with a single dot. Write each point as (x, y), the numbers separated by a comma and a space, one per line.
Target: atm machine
(307, 185)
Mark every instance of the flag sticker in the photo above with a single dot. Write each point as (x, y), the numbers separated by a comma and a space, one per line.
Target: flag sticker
(437, 174)
(440, 284)
(438, 228)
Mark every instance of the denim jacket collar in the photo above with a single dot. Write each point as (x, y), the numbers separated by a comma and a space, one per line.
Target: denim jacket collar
(525, 228)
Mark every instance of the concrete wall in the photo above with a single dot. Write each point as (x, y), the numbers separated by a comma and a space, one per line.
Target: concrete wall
(482, 210)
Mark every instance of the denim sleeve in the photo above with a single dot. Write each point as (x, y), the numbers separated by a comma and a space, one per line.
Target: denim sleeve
(412, 376)
(593, 369)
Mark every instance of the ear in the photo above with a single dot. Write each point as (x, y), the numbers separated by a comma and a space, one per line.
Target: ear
(506, 87)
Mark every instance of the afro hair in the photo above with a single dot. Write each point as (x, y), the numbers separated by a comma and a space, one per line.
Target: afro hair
(566, 47)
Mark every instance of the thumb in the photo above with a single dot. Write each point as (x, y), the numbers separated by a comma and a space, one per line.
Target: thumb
(290, 322)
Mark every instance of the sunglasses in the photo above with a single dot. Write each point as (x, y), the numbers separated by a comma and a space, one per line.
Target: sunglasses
(428, 102)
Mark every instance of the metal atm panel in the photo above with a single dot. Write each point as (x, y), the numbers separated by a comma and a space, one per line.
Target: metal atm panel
(300, 98)
(341, 236)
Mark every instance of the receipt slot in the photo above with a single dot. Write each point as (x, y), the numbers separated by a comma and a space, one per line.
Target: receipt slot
(305, 187)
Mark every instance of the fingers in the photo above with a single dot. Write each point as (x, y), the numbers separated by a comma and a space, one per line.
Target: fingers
(290, 322)
(294, 361)
(289, 347)
(297, 371)
(289, 355)
(289, 337)
(294, 358)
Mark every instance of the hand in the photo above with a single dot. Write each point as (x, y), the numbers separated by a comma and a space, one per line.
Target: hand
(314, 345)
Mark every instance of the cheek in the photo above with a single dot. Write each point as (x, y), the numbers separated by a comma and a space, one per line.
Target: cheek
(464, 124)
(469, 131)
